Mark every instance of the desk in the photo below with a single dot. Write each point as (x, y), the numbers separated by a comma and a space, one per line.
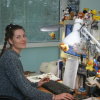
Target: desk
(44, 90)
(76, 91)
(80, 93)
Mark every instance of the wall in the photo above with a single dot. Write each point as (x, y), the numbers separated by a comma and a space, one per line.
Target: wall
(33, 57)
(91, 4)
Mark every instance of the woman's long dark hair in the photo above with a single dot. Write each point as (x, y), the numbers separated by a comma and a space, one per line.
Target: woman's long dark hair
(10, 29)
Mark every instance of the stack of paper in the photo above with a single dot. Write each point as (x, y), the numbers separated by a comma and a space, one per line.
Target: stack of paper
(70, 73)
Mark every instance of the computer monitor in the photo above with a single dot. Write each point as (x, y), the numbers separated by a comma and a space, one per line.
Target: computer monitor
(68, 30)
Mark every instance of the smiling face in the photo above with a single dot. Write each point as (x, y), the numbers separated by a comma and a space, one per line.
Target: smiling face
(19, 40)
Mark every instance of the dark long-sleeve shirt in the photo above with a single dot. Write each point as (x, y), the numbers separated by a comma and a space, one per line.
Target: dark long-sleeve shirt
(13, 82)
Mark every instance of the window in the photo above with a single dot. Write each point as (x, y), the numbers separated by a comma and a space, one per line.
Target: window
(32, 15)
(74, 4)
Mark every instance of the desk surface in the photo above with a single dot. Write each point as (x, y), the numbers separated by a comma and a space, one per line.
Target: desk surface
(45, 90)
(76, 91)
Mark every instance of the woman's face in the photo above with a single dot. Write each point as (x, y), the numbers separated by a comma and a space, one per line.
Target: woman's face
(19, 40)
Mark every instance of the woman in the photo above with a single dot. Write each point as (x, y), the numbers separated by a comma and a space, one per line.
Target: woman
(12, 80)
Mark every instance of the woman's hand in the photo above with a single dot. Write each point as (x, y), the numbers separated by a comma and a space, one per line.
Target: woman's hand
(43, 80)
(63, 96)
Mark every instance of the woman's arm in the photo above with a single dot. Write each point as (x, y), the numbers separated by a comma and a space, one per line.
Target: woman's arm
(17, 78)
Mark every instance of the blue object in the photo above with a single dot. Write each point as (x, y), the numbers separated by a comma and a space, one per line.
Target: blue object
(81, 89)
(60, 64)
(68, 29)
(97, 65)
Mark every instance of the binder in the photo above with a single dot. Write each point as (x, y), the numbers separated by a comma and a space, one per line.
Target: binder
(59, 68)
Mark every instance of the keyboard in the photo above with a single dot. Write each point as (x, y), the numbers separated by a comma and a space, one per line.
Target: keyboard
(57, 87)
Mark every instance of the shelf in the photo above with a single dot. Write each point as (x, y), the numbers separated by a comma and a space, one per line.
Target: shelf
(69, 22)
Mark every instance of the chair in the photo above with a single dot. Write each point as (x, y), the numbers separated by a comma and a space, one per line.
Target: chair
(3, 97)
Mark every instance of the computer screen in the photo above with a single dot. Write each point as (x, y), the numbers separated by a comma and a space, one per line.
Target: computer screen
(68, 30)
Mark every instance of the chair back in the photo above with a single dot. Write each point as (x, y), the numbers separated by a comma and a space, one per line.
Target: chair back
(3, 97)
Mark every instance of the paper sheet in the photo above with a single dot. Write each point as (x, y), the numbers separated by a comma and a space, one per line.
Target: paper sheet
(37, 78)
(70, 73)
